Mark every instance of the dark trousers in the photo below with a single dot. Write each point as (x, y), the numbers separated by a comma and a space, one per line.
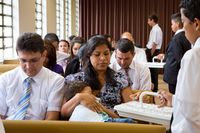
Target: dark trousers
(172, 88)
(154, 78)
(153, 71)
(169, 130)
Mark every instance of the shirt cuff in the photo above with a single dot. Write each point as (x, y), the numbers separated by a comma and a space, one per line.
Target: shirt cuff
(54, 109)
(173, 96)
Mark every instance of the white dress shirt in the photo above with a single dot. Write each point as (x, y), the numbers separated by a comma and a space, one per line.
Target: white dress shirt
(60, 56)
(138, 73)
(140, 55)
(155, 36)
(2, 130)
(61, 59)
(186, 101)
(46, 94)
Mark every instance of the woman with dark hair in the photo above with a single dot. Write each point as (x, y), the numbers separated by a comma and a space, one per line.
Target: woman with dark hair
(76, 43)
(63, 46)
(70, 38)
(111, 87)
(50, 61)
(76, 64)
(54, 40)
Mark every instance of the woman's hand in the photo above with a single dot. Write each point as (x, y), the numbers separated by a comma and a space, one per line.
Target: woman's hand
(89, 101)
(165, 98)
(85, 99)
(108, 111)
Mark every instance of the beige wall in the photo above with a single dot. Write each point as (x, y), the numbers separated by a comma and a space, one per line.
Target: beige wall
(51, 16)
(73, 19)
(27, 16)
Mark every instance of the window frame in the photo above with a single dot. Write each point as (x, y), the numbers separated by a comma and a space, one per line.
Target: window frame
(37, 13)
(3, 26)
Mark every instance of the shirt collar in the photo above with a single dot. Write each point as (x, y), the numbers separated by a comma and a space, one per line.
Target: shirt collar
(178, 31)
(37, 78)
(197, 43)
(131, 66)
(156, 25)
(23, 74)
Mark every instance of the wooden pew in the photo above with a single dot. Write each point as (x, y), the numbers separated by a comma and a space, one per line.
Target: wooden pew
(11, 61)
(30, 126)
(7, 67)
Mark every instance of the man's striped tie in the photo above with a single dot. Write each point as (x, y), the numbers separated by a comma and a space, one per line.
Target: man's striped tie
(130, 83)
(24, 100)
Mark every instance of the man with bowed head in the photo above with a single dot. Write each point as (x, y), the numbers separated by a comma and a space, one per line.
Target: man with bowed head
(30, 91)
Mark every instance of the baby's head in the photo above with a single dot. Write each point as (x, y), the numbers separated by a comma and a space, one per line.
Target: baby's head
(74, 87)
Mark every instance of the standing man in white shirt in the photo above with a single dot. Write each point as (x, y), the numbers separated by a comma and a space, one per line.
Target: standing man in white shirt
(137, 74)
(153, 46)
(42, 96)
(186, 101)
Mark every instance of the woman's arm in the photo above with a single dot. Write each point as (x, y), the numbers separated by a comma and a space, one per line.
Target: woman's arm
(68, 107)
(1, 117)
(126, 92)
(52, 115)
(85, 99)
(109, 112)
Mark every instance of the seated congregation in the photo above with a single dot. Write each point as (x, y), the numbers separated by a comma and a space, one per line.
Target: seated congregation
(37, 90)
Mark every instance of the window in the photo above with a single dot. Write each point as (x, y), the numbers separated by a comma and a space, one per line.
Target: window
(68, 17)
(39, 17)
(60, 18)
(77, 17)
(6, 29)
(72, 17)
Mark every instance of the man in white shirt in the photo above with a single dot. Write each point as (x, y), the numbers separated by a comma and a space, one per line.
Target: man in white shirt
(186, 101)
(45, 90)
(153, 46)
(140, 55)
(137, 74)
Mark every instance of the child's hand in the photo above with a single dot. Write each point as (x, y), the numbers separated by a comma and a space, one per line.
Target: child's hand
(165, 98)
(161, 56)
